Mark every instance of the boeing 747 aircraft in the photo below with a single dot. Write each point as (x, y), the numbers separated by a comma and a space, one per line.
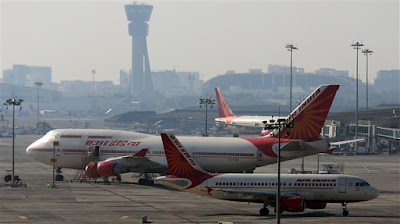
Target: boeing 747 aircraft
(298, 191)
(111, 152)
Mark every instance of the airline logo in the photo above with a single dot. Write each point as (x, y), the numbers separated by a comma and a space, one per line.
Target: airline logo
(180, 164)
(112, 143)
(309, 117)
(182, 150)
(316, 180)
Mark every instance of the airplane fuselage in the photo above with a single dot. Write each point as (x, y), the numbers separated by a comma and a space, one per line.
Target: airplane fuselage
(215, 154)
(324, 188)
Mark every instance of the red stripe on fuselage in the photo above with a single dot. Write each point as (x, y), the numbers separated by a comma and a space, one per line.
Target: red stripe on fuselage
(265, 144)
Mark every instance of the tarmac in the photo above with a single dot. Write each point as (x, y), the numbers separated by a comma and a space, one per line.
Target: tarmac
(128, 202)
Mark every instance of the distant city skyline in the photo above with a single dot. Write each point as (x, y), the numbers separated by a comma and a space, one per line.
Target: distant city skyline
(74, 37)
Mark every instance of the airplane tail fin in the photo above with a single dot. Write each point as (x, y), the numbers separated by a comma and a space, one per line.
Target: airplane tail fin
(223, 108)
(309, 117)
(180, 164)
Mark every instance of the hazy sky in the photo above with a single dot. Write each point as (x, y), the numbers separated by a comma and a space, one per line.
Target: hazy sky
(74, 37)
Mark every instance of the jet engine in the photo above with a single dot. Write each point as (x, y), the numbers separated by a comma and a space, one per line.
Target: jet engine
(91, 170)
(315, 204)
(110, 168)
(104, 169)
(293, 204)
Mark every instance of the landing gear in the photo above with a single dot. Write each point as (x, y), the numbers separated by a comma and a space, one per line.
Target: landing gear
(146, 179)
(345, 212)
(59, 176)
(106, 181)
(264, 211)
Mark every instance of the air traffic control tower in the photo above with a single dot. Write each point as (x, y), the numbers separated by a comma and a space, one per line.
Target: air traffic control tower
(141, 83)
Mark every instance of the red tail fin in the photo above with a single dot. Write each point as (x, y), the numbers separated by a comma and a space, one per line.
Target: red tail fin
(309, 117)
(141, 153)
(180, 163)
(223, 108)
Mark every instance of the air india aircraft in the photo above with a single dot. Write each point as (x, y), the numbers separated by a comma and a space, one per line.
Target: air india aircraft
(104, 153)
(227, 117)
(298, 191)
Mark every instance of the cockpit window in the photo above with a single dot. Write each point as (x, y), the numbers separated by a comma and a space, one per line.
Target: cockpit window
(362, 184)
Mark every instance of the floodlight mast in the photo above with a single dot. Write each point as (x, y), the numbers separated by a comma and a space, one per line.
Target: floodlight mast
(207, 101)
(366, 52)
(291, 47)
(38, 85)
(14, 102)
(273, 125)
(357, 46)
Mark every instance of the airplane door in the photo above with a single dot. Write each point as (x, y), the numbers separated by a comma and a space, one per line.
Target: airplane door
(342, 185)
(259, 155)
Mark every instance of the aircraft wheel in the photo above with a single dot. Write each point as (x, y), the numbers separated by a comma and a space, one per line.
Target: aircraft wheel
(264, 211)
(59, 178)
(345, 213)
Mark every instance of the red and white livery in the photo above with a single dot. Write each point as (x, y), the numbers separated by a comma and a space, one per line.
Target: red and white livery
(298, 191)
(227, 117)
(105, 152)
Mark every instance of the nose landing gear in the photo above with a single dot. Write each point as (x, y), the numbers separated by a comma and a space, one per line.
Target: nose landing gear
(264, 211)
(59, 176)
(345, 212)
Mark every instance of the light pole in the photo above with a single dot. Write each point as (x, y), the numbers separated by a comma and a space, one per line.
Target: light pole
(207, 102)
(14, 102)
(273, 125)
(366, 52)
(357, 46)
(290, 48)
(38, 85)
(93, 72)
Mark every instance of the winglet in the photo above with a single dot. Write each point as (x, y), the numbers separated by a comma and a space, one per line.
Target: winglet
(223, 108)
(180, 163)
(309, 117)
(141, 153)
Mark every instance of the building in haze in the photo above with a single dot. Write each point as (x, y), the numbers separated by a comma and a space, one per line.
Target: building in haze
(172, 83)
(387, 83)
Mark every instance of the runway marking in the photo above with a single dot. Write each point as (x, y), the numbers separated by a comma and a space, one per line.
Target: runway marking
(365, 168)
(22, 217)
(124, 217)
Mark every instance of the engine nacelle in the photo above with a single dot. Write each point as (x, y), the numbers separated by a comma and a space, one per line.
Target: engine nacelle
(110, 168)
(293, 204)
(91, 170)
(315, 204)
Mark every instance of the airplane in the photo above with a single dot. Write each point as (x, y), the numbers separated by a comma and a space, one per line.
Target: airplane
(227, 117)
(116, 150)
(42, 112)
(298, 191)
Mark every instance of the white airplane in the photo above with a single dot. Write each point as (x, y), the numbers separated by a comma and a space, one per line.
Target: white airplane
(227, 117)
(104, 152)
(298, 191)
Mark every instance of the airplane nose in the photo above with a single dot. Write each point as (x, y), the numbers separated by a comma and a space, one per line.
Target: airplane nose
(29, 150)
(374, 193)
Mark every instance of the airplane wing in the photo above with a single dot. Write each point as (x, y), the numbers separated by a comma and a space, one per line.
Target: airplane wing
(347, 142)
(138, 162)
(123, 164)
(256, 195)
(295, 148)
